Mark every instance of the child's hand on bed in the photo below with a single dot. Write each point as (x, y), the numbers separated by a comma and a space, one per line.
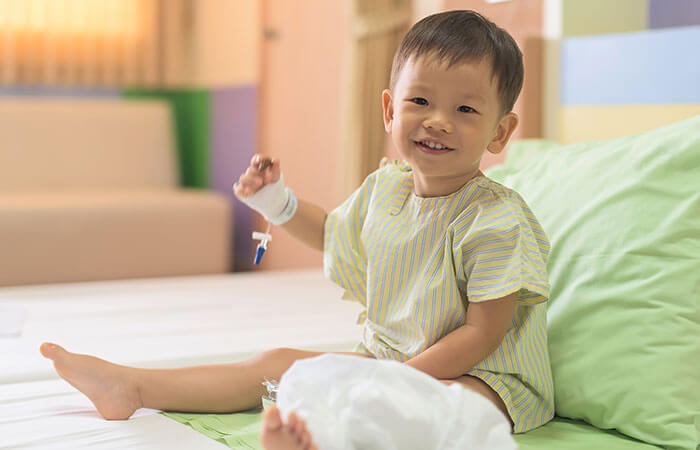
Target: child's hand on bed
(260, 173)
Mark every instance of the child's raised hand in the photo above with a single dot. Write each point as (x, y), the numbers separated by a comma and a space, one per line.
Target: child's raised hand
(262, 188)
(260, 173)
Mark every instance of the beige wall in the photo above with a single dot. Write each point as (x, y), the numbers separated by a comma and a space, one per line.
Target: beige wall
(226, 42)
(303, 74)
(211, 43)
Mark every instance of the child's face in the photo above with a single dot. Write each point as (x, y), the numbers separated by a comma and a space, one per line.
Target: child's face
(457, 108)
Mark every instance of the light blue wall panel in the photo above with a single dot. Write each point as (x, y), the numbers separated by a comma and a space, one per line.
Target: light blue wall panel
(647, 67)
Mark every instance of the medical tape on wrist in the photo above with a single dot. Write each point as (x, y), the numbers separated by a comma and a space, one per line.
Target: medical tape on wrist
(275, 201)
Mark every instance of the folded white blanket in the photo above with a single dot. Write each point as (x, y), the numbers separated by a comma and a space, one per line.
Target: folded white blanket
(352, 403)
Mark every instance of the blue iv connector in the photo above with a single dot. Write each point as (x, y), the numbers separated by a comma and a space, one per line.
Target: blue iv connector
(264, 238)
(259, 254)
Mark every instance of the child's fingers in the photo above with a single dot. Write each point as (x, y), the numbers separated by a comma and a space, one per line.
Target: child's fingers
(241, 191)
(273, 172)
(257, 175)
(251, 173)
(250, 189)
(260, 163)
(249, 183)
(251, 180)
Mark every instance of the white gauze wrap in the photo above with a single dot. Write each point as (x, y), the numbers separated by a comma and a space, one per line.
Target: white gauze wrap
(355, 403)
(275, 201)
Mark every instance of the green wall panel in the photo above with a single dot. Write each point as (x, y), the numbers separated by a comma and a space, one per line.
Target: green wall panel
(191, 110)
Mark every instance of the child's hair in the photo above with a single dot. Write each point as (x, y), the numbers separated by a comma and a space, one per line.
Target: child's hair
(465, 36)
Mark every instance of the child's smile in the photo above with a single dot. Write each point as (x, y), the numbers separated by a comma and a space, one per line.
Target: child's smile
(443, 118)
(432, 146)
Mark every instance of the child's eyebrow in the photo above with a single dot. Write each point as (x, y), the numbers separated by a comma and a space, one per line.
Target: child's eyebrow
(470, 96)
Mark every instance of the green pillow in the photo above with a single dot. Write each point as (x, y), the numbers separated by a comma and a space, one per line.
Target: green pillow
(623, 218)
(520, 152)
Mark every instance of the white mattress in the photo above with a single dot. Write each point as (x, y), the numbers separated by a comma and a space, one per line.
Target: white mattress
(153, 323)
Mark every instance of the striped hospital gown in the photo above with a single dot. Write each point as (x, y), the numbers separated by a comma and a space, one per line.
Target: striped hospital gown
(416, 263)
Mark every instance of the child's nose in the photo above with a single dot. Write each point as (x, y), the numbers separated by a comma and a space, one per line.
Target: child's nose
(438, 122)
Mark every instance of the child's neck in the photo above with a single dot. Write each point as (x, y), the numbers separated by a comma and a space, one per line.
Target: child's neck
(441, 186)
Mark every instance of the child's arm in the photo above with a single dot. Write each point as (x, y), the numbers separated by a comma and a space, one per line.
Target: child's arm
(307, 222)
(455, 354)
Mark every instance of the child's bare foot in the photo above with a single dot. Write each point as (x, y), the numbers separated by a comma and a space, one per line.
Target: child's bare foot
(277, 435)
(104, 383)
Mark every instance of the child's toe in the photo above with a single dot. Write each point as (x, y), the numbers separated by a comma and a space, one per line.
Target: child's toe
(51, 351)
(271, 419)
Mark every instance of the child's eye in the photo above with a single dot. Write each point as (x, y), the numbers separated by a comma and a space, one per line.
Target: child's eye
(419, 101)
(466, 109)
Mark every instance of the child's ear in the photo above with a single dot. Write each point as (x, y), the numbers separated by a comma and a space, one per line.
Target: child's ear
(504, 130)
(388, 108)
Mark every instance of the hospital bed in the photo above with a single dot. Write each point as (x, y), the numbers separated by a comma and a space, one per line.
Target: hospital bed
(172, 322)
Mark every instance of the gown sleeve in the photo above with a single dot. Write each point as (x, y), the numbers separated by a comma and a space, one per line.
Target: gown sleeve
(344, 257)
(502, 249)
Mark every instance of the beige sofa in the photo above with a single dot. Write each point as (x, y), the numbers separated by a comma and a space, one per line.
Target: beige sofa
(89, 191)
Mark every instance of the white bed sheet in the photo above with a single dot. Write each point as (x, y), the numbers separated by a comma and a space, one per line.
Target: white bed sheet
(167, 322)
(51, 414)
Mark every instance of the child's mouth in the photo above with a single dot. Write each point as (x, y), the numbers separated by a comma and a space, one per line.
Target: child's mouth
(432, 148)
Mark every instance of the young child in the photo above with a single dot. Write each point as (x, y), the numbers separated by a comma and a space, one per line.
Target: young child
(449, 265)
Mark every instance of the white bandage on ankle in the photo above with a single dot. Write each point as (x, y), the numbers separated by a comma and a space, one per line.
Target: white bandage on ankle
(275, 201)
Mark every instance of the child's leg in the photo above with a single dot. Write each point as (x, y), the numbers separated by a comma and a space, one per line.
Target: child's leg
(480, 387)
(117, 391)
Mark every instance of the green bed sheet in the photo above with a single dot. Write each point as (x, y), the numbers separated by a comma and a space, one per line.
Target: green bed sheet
(241, 430)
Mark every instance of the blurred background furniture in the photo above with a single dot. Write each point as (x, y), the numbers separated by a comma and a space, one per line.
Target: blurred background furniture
(89, 191)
